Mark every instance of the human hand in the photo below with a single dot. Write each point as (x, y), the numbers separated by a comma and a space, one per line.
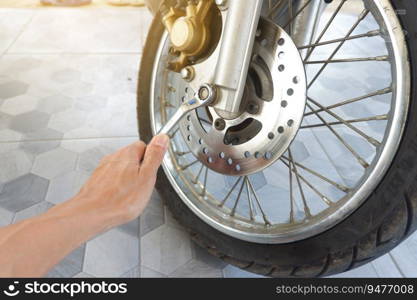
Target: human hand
(122, 184)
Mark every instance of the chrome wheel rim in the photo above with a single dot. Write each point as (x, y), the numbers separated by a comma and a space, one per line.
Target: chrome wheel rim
(298, 204)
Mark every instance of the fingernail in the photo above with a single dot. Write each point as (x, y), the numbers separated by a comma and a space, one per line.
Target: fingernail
(161, 140)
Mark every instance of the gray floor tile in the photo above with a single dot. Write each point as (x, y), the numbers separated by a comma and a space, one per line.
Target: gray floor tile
(55, 103)
(83, 275)
(153, 216)
(65, 186)
(23, 192)
(405, 256)
(30, 122)
(13, 89)
(165, 249)
(6, 217)
(234, 272)
(386, 267)
(20, 104)
(97, 31)
(365, 271)
(70, 266)
(54, 163)
(197, 269)
(38, 147)
(149, 273)
(111, 254)
(80, 146)
(10, 140)
(4, 120)
(12, 21)
(67, 120)
(133, 273)
(14, 164)
(32, 211)
(131, 228)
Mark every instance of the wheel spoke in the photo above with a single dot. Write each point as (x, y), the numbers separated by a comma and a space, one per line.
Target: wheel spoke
(360, 18)
(371, 140)
(292, 200)
(274, 9)
(183, 168)
(297, 13)
(250, 202)
(233, 212)
(310, 51)
(349, 101)
(374, 118)
(174, 133)
(310, 185)
(300, 187)
(291, 14)
(203, 193)
(351, 150)
(346, 60)
(197, 177)
(339, 186)
(265, 218)
(371, 33)
(181, 153)
(230, 192)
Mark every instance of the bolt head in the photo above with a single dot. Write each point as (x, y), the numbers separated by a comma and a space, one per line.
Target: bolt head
(187, 73)
(221, 4)
(219, 124)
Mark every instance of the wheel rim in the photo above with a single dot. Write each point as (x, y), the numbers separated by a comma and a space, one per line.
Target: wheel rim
(315, 184)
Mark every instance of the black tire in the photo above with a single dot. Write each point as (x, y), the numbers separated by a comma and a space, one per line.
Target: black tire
(385, 219)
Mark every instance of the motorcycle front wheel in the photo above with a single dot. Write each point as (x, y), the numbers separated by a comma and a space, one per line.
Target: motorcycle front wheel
(344, 192)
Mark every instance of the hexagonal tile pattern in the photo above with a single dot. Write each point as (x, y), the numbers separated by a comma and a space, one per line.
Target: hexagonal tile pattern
(90, 103)
(4, 120)
(14, 164)
(153, 216)
(55, 162)
(12, 89)
(32, 211)
(66, 75)
(90, 159)
(149, 273)
(119, 251)
(29, 122)
(23, 192)
(165, 249)
(80, 146)
(19, 105)
(67, 120)
(54, 104)
(6, 217)
(196, 269)
(65, 186)
(11, 138)
(234, 272)
(133, 273)
(71, 265)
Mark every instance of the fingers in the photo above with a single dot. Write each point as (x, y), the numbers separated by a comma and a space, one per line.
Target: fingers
(154, 155)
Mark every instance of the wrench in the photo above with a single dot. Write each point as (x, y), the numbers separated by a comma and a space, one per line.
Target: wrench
(206, 95)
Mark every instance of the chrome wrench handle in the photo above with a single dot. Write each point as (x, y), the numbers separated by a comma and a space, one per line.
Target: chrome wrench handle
(206, 95)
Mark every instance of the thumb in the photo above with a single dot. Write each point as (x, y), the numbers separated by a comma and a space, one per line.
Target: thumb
(154, 155)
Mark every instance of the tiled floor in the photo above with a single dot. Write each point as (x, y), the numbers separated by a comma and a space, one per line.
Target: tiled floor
(67, 98)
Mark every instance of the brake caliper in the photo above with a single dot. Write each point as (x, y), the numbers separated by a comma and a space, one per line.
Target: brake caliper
(189, 30)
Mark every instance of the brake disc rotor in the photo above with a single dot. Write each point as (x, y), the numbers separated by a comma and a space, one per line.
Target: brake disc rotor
(272, 110)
